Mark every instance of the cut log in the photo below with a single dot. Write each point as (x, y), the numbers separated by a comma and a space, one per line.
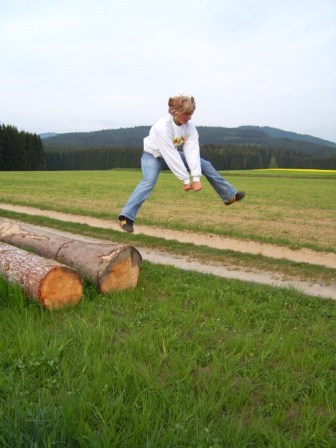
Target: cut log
(110, 266)
(51, 283)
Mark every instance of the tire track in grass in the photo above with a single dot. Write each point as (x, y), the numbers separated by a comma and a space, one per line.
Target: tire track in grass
(215, 241)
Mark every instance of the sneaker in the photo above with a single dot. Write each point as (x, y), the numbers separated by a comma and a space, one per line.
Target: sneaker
(126, 224)
(237, 197)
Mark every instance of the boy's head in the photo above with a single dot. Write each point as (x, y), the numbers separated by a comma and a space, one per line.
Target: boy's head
(181, 104)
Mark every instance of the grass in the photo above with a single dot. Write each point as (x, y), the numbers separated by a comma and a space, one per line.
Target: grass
(184, 360)
(204, 254)
(290, 208)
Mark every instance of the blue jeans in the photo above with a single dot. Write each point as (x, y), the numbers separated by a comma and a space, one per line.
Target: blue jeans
(151, 167)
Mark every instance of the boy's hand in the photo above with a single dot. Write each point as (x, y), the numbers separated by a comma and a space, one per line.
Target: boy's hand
(187, 187)
(197, 186)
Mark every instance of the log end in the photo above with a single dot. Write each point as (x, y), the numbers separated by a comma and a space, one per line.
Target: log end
(61, 287)
(123, 273)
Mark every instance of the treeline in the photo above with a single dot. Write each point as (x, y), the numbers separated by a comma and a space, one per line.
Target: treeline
(225, 157)
(240, 157)
(25, 151)
(93, 159)
(20, 151)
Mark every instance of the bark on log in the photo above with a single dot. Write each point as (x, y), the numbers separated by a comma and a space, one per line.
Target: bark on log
(45, 280)
(110, 266)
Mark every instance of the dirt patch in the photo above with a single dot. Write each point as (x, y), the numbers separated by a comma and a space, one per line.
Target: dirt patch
(215, 241)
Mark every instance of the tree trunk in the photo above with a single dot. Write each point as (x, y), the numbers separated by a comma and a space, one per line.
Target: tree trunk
(110, 266)
(49, 282)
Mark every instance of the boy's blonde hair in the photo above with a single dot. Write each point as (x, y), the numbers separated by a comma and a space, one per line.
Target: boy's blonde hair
(181, 104)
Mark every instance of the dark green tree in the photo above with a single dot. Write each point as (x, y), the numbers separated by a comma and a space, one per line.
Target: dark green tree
(20, 151)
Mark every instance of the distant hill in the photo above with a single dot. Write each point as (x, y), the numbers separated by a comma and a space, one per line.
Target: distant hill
(278, 133)
(123, 137)
(47, 135)
(254, 134)
(264, 137)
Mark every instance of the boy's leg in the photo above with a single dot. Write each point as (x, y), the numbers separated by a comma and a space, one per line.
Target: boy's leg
(223, 188)
(151, 167)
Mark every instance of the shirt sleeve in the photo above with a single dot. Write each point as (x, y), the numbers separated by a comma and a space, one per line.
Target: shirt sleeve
(192, 153)
(164, 141)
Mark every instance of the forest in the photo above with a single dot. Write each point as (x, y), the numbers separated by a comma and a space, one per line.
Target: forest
(225, 157)
(245, 147)
(20, 151)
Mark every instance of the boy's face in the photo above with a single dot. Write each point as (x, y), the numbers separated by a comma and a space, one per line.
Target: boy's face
(183, 118)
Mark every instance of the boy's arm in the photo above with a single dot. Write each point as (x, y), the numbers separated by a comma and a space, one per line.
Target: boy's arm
(192, 153)
(172, 156)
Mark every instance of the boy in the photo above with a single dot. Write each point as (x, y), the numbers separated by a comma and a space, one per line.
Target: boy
(162, 150)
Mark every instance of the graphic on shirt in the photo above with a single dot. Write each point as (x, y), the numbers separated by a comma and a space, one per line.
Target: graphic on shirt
(179, 141)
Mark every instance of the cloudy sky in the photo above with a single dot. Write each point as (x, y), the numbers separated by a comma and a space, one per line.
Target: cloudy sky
(85, 65)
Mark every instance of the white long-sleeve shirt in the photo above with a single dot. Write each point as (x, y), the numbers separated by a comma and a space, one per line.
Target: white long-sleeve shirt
(166, 138)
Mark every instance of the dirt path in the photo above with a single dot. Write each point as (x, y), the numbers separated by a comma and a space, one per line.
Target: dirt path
(216, 241)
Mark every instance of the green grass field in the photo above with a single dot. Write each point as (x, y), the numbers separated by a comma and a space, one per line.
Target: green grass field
(184, 359)
(291, 208)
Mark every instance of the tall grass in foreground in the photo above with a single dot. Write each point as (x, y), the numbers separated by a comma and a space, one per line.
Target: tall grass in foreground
(183, 360)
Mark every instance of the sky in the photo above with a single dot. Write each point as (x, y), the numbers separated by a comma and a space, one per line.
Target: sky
(87, 65)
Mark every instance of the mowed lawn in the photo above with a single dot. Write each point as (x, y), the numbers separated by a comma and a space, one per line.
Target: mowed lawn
(184, 359)
(287, 207)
